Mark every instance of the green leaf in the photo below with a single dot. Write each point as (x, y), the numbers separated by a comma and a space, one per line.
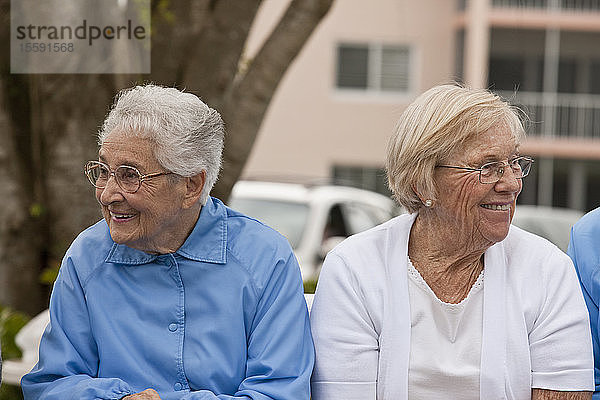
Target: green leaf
(49, 275)
(310, 285)
(36, 210)
(11, 323)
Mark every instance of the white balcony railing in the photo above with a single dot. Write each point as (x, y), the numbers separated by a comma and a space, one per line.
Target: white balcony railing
(558, 114)
(520, 3)
(571, 5)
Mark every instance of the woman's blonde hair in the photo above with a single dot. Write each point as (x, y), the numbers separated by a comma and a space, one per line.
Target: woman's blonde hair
(437, 123)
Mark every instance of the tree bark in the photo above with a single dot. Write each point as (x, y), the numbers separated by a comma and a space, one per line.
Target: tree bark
(48, 123)
(246, 102)
(46, 137)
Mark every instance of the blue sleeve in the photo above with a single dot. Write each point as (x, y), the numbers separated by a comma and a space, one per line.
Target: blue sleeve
(68, 363)
(582, 252)
(280, 347)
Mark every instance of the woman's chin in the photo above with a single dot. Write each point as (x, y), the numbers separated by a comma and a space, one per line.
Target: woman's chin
(497, 234)
(120, 237)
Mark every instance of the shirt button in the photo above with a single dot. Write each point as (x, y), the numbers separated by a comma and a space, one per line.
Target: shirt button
(178, 386)
(173, 328)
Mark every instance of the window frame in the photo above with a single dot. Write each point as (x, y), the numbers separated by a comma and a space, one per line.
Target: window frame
(374, 76)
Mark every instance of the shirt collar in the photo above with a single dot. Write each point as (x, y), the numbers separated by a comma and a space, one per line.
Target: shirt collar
(206, 243)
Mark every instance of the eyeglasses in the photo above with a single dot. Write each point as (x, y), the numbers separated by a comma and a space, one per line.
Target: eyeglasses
(493, 171)
(128, 178)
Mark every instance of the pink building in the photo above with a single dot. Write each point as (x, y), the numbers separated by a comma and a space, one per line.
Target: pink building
(337, 105)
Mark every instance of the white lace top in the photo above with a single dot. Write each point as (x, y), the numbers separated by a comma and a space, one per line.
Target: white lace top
(445, 345)
(535, 334)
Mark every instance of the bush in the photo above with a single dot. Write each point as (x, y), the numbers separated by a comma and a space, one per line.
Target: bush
(10, 392)
(310, 285)
(11, 322)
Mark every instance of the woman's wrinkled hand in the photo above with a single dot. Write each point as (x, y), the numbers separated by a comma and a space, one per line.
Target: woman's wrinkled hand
(148, 394)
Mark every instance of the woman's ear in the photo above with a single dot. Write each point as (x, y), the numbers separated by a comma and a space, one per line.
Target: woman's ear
(194, 186)
(419, 195)
(426, 200)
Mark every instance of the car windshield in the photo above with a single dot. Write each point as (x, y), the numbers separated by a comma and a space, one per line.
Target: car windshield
(288, 218)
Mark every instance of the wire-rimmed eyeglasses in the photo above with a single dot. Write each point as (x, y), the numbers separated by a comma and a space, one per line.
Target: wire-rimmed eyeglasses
(492, 172)
(128, 178)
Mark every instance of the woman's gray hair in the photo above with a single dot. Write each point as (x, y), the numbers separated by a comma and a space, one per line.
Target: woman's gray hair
(437, 123)
(188, 135)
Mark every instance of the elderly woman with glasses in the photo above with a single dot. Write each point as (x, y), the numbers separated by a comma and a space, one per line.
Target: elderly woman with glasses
(173, 295)
(450, 301)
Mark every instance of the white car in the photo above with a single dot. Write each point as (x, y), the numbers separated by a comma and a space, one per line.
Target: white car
(313, 218)
(552, 223)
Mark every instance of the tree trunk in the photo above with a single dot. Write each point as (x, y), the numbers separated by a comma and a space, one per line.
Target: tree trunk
(48, 123)
(21, 239)
(246, 102)
(46, 138)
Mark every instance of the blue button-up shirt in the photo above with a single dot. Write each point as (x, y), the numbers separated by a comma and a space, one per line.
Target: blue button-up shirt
(584, 250)
(224, 317)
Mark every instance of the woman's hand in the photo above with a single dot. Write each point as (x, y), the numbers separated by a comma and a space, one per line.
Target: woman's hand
(148, 394)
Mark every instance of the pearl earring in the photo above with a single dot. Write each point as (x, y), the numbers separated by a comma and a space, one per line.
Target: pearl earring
(428, 203)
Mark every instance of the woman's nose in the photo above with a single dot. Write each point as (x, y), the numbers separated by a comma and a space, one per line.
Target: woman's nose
(110, 193)
(508, 182)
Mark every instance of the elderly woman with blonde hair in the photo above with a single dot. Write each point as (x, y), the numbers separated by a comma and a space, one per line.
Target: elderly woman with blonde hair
(450, 300)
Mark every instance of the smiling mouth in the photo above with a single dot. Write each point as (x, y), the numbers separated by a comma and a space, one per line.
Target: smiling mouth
(496, 207)
(121, 216)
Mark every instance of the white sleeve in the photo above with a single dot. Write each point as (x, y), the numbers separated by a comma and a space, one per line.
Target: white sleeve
(560, 341)
(346, 341)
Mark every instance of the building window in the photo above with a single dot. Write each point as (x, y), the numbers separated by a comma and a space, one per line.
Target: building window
(373, 67)
(368, 178)
(353, 63)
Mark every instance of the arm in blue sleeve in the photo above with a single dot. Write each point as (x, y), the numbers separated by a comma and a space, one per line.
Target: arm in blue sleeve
(587, 279)
(68, 364)
(280, 347)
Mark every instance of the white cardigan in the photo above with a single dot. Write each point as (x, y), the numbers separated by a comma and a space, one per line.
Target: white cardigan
(535, 324)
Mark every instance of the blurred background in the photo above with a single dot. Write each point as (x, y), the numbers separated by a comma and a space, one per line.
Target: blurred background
(310, 91)
(338, 103)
